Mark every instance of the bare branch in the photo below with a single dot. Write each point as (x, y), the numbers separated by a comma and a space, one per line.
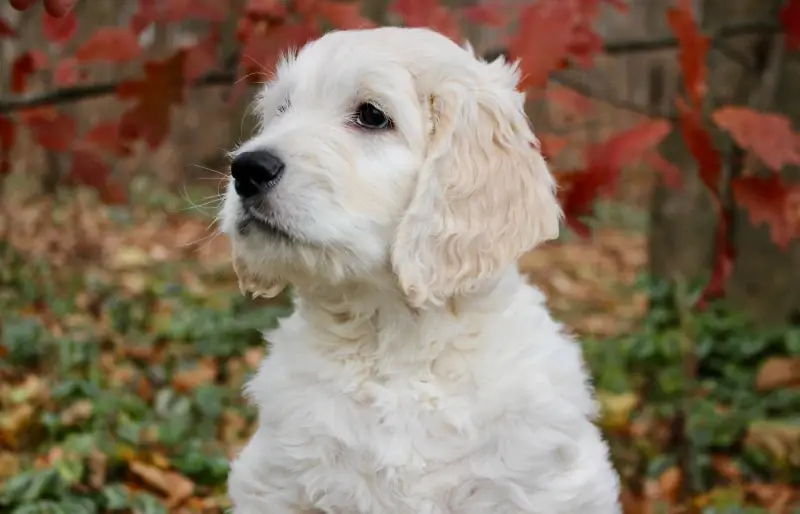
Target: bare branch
(226, 77)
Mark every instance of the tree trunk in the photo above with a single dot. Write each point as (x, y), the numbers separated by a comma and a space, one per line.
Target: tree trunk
(749, 72)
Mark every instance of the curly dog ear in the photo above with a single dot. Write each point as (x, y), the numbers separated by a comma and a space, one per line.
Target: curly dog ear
(485, 194)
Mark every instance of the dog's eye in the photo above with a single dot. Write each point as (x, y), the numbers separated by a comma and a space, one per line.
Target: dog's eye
(370, 116)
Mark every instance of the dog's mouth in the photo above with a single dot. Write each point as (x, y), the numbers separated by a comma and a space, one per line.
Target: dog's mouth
(253, 219)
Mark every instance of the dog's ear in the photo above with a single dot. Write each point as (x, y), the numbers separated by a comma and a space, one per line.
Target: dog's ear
(484, 195)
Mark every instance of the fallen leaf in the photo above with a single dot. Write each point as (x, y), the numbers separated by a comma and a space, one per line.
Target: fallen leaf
(173, 485)
(778, 372)
(205, 372)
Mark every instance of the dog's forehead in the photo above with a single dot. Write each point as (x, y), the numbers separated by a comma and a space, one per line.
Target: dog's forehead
(360, 54)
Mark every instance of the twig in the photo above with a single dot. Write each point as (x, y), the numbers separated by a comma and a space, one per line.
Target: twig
(227, 77)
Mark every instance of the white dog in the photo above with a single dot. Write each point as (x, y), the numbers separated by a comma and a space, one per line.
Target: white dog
(394, 181)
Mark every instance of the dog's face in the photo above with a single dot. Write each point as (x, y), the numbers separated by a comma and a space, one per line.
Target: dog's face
(388, 153)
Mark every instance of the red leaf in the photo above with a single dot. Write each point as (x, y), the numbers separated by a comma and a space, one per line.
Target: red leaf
(630, 146)
(23, 67)
(542, 40)
(569, 99)
(113, 44)
(266, 9)
(155, 95)
(105, 136)
(670, 174)
(67, 72)
(769, 136)
(790, 18)
(342, 15)
(693, 49)
(6, 30)
(428, 13)
(491, 14)
(769, 200)
(8, 135)
(201, 58)
(52, 129)
(580, 189)
(59, 30)
(91, 170)
(176, 11)
(585, 45)
(699, 142)
(550, 145)
(263, 45)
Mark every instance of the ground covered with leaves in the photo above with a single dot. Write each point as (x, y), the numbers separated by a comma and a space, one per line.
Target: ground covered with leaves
(125, 343)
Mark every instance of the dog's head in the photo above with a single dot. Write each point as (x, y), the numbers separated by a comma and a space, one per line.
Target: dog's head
(388, 154)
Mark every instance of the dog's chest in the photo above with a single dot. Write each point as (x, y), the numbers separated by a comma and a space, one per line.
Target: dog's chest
(370, 444)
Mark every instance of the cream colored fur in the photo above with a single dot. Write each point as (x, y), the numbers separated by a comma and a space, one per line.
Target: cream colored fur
(419, 372)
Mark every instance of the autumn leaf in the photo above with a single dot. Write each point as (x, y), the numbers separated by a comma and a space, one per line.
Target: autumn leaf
(769, 200)
(205, 372)
(699, 142)
(176, 11)
(8, 135)
(551, 145)
(580, 189)
(155, 94)
(112, 44)
(701, 146)
(264, 44)
(67, 72)
(670, 174)
(693, 49)
(790, 18)
(105, 136)
(569, 99)
(176, 487)
(6, 30)
(22, 68)
(59, 30)
(89, 169)
(542, 40)
(201, 58)
(342, 15)
(769, 136)
(52, 129)
(778, 372)
(428, 13)
(492, 14)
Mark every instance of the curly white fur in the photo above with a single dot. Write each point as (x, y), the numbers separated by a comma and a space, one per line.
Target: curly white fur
(419, 372)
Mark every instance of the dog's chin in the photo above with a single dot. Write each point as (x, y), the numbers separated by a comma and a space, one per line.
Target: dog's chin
(252, 222)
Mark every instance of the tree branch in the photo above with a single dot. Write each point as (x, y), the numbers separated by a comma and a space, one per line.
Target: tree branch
(220, 78)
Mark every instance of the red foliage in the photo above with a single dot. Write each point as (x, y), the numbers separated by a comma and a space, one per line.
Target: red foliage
(52, 129)
(769, 136)
(545, 42)
(59, 30)
(8, 135)
(155, 94)
(693, 49)
(604, 162)
(790, 18)
(112, 44)
(428, 13)
(570, 100)
(769, 200)
(6, 30)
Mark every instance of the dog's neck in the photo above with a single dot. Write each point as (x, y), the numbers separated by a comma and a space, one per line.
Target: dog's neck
(364, 318)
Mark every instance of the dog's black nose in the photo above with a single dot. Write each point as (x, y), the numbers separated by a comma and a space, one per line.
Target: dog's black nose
(255, 171)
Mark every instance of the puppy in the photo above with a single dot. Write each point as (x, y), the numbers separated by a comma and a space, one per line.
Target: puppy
(393, 182)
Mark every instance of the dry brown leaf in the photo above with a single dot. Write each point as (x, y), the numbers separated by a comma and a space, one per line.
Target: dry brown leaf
(14, 423)
(205, 372)
(669, 484)
(778, 372)
(174, 486)
(76, 413)
(98, 469)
